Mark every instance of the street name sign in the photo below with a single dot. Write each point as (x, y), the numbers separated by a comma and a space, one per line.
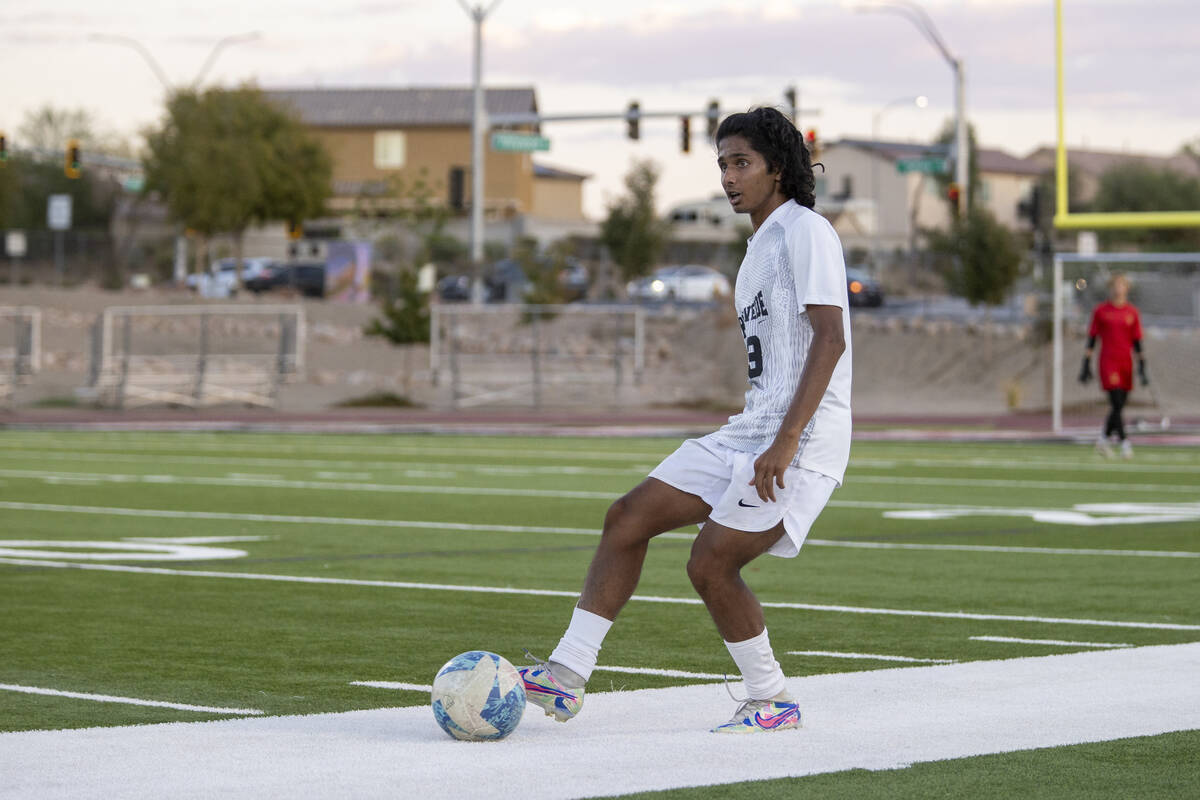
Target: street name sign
(518, 141)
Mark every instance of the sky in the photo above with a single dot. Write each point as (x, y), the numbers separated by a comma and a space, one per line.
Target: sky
(1132, 67)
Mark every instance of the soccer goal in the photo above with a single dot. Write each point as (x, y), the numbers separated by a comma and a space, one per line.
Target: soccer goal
(1165, 287)
(195, 355)
(536, 355)
(20, 347)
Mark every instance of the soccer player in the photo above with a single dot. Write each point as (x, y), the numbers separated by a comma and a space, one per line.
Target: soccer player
(1118, 326)
(757, 484)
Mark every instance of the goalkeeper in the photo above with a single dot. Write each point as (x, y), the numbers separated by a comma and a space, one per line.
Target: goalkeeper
(1118, 326)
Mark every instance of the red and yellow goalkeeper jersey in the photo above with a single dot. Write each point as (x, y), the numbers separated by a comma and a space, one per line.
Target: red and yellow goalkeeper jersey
(1117, 328)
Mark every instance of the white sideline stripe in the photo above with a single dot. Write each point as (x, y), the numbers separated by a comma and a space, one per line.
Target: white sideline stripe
(402, 687)
(628, 742)
(474, 527)
(1061, 642)
(130, 701)
(870, 656)
(988, 548)
(993, 483)
(666, 673)
(195, 539)
(690, 601)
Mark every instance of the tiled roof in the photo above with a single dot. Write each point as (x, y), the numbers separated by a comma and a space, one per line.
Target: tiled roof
(413, 107)
(546, 171)
(1097, 162)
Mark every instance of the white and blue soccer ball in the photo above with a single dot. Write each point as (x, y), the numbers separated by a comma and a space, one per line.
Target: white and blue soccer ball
(478, 696)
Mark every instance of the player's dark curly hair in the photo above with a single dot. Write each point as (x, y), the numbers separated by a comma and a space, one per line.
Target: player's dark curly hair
(773, 135)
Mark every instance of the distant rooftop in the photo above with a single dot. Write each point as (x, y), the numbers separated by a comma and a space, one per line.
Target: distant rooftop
(1099, 161)
(547, 171)
(401, 108)
(989, 159)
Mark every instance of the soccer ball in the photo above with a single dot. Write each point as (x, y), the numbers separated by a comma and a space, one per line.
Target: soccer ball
(478, 696)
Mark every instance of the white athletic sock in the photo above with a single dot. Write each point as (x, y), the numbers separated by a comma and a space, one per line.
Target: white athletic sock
(580, 645)
(760, 671)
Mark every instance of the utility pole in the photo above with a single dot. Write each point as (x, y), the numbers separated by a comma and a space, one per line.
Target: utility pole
(479, 126)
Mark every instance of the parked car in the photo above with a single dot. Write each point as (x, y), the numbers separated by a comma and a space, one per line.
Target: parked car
(221, 278)
(862, 289)
(689, 283)
(454, 288)
(307, 278)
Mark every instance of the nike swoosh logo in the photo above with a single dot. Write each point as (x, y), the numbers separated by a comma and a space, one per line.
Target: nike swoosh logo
(744, 504)
(775, 719)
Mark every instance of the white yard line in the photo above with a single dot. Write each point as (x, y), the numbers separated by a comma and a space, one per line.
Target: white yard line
(626, 742)
(356, 486)
(870, 656)
(400, 687)
(666, 673)
(474, 527)
(129, 701)
(691, 601)
(1056, 642)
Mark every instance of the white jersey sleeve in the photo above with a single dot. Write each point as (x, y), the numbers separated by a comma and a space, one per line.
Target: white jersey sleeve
(817, 264)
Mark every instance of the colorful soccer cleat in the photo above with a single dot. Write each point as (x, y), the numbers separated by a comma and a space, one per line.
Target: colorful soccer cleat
(547, 693)
(777, 714)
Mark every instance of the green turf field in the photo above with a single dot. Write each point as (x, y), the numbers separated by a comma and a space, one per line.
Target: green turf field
(375, 558)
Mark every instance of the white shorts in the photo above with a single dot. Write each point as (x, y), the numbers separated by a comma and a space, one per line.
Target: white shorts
(720, 476)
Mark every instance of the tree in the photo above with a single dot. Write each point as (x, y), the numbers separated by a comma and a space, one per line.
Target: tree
(632, 232)
(981, 258)
(226, 159)
(1136, 186)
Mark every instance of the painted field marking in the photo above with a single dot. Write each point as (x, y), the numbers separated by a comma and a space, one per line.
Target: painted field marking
(1058, 642)
(117, 551)
(400, 687)
(252, 476)
(1082, 514)
(690, 601)
(870, 657)
(1023, 465)
(188, 480)
(131, 701)
(657, 738)
(665, 673)
(478, 528)
(196, 539)
(353, 468)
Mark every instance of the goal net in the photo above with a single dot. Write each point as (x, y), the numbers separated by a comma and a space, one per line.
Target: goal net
(195, 355)
(535, 355)
(1165, 287)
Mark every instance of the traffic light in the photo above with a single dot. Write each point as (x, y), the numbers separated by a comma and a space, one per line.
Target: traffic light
(633, 117)
(3, 149)
(814, 147)
(789, 95)
(1032, 208)
(953, 192)
(713, 118)
(73, 161)
(685, 132)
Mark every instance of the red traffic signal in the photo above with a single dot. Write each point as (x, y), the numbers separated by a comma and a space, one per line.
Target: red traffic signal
(810, 139)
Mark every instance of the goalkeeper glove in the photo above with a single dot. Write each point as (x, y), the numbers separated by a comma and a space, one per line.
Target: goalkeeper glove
(1142, 372)
(1085, 372)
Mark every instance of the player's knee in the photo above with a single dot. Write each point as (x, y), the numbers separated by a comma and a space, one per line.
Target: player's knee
(706, 570)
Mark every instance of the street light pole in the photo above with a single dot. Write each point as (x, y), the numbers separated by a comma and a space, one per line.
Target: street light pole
(479, 125)
(917, 16)
(220, 45)
(920, 101)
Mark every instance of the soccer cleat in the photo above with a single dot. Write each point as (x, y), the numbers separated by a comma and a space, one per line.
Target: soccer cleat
(1126, 450)
(1103, 447)
(779, 713)
(548, 693)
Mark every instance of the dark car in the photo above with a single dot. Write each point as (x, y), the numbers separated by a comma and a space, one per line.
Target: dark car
(863, 290)
(307, 278)
(454, 288)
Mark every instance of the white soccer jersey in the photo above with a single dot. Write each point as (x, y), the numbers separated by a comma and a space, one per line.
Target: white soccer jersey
(794, 260)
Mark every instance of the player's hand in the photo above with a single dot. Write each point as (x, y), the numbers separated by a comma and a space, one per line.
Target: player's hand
(770, 467)
(1142, 372)
(1085, 372)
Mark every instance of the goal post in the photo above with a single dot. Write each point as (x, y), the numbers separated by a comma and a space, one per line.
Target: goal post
(195, 355)
(1166, 290)
(20, 347)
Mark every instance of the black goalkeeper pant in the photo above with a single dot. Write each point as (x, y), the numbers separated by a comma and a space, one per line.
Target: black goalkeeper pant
(1114, 423)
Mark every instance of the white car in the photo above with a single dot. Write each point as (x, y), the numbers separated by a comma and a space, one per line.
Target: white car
(690, 283)
(221, 278)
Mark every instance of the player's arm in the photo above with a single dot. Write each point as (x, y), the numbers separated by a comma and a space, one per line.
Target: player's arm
(828, 344)
(1085, 371)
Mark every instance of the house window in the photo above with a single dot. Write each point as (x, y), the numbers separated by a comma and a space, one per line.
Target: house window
(389, 149)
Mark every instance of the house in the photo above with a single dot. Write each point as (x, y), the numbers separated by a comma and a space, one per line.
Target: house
(876, 206)
(1086, 166)
(377, 136)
